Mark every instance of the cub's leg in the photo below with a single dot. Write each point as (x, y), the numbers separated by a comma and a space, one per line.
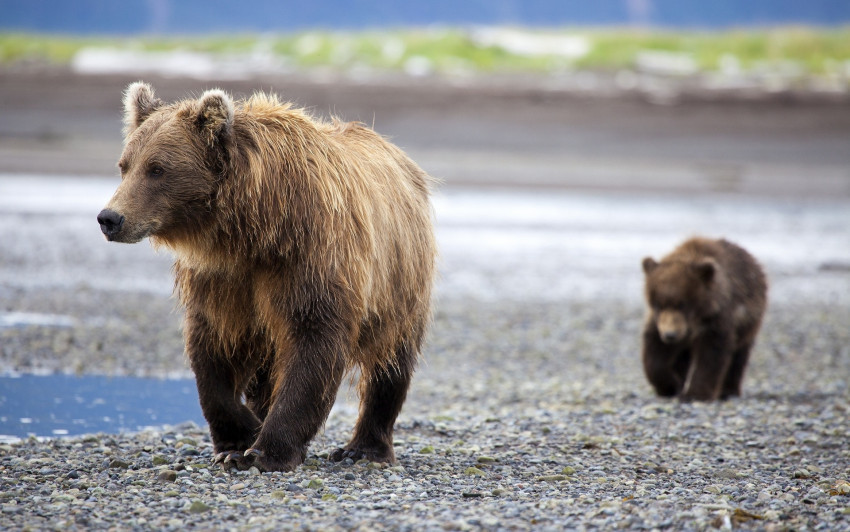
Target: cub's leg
(732, 382)
(305, 378)
(382, 395)
(681, 366)
(712, 356)
(220, 380)
(663, 364)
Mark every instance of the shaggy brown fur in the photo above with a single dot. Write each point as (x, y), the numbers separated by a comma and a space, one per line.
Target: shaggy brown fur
(706, 302)
(302, 249)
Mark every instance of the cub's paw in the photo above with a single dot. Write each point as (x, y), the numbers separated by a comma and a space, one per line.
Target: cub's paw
(381, 454)
(690, 397)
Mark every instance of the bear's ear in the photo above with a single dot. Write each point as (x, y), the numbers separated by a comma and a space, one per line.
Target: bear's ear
(214, 116)
(705, 269)
(649, 264)
(139, 103)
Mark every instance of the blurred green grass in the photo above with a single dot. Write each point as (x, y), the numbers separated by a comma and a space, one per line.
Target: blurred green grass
(805, 50)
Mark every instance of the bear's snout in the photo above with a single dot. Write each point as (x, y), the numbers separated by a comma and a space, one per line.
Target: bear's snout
(672, 326)
(110, 223)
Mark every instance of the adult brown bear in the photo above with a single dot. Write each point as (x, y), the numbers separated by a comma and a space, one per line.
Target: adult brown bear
(303, 249)
(706, 300)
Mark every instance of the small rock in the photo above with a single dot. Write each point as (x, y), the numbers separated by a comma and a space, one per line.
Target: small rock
(552, 478)
(727, 473)
(167, 476)
(118, 464)
(159, 460)
(486, 459)
(473, 471)
(199, 507)
(802, 474)
(842, 487)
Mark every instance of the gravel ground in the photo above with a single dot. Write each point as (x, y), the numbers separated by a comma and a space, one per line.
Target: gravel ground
(522, 416)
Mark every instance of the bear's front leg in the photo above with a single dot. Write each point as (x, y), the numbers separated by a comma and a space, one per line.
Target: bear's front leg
(233, 427)
(662, 363)
(306, 377)
(712, 356)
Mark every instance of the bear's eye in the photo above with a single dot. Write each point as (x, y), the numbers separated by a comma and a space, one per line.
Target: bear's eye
(155, 171)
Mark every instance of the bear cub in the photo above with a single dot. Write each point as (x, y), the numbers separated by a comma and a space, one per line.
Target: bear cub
(706, 300)
(303, 249)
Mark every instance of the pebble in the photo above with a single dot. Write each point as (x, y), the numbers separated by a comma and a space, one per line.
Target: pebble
(168, 476)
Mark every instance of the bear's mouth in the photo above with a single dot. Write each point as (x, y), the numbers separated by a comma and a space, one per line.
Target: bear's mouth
(670, 338)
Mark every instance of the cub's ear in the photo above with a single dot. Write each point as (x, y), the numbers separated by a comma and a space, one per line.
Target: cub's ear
(214, 116)
(139, 103)
(705, 269)
(649, 264)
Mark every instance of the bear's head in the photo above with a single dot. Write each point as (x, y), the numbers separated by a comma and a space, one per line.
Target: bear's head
(173, 159)
(679, 293)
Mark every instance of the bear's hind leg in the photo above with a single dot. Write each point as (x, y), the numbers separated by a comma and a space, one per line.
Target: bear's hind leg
(258, 396)
(381, 398)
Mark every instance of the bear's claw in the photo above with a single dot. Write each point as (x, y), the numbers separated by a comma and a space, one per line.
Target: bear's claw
(242, 461)
(227, 458)
(340, 453)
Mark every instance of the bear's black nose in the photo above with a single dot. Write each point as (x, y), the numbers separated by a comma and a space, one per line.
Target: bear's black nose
(670, 336)
(110, 222)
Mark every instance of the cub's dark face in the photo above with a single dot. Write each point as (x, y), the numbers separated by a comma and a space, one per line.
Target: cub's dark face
(676, 291)
(168, 167)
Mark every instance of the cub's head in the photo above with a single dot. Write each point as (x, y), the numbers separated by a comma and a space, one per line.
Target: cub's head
(174, 156)
(679, 293)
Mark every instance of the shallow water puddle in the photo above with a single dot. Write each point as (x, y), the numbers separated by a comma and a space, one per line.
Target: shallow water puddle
(63, 405)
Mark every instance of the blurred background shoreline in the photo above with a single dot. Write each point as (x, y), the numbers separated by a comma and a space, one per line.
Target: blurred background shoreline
(57, 121)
